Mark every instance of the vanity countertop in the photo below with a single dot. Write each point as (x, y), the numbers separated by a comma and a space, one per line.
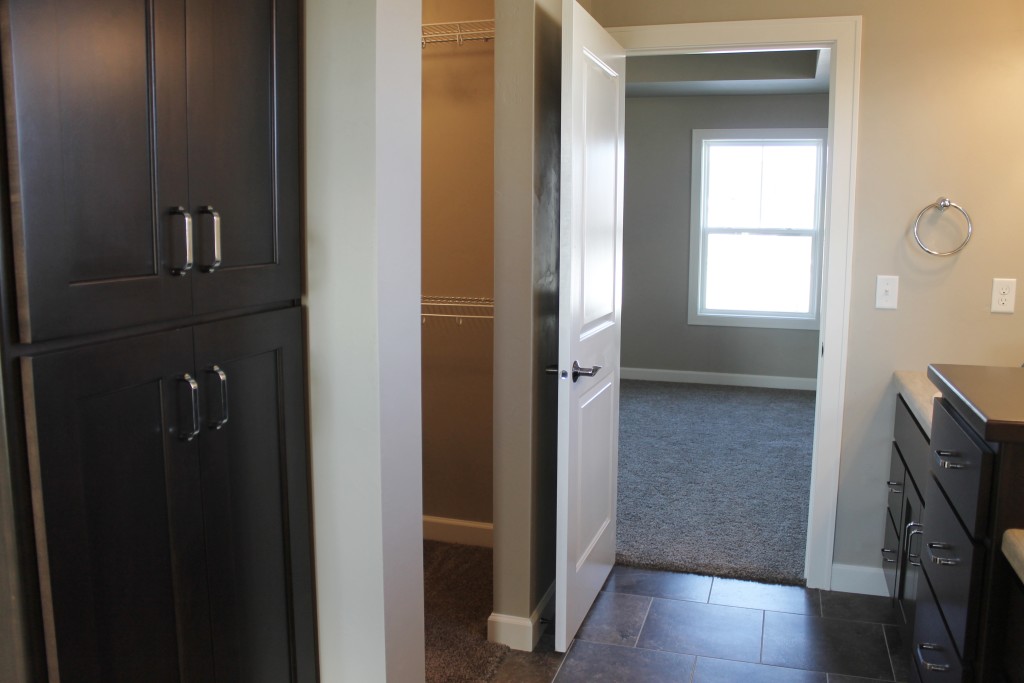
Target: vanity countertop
(918, 391)
(990, 399)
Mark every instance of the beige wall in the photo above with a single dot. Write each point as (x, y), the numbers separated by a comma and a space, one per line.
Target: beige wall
(458, 260)
(940, 103)
(527, 125)
(656, 239)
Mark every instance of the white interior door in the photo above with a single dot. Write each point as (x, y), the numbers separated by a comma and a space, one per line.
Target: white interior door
(589, 316)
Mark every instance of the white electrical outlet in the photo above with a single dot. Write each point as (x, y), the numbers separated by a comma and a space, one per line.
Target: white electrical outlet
(1004, 294)
(887, 289)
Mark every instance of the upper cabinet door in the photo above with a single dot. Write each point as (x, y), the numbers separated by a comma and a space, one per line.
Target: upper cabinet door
(98, 163)
(243, 151)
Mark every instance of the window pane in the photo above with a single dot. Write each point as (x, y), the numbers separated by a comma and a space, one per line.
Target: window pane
(763, 273)
(789, 186)
(734, 186)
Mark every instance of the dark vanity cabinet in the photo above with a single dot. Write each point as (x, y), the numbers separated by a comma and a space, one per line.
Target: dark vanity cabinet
(901, 552)
(972, 496)
(153, 338)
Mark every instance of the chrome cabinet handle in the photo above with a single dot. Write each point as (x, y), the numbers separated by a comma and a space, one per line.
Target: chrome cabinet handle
(578, 371)
(939, 560)
(193, 390)
(888, 559)
(913, 529)
(187, 265)
(214, 264)
(222, 385)
(929, 666)
(895, 489)
(943, 460)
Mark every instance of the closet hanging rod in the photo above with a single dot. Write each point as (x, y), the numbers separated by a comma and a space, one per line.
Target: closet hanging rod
(457, 32)
(457, 315)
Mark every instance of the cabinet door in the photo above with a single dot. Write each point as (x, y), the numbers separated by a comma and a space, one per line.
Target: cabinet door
(96, 88)
(243, 150)
(117, 512)
(255, 497)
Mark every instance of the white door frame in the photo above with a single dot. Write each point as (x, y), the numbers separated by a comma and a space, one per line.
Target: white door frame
(843, 36)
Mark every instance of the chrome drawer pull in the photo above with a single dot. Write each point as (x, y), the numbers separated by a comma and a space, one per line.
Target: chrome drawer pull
(193, 400)
(222, 384)
(183, 269)
(211, 264)
(893, 489)
(942, 458)
(892, 483)
(941, 561)
(888, 559)
(930, 666)
(913, 529)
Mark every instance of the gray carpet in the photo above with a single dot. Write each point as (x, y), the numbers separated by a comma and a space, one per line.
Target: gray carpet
(714, 480)
(457, 587)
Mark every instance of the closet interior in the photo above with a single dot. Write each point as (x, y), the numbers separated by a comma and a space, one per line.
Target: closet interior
(458, 269)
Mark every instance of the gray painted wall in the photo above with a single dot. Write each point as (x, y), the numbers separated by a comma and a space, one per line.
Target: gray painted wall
(656, 239)
(526, 156)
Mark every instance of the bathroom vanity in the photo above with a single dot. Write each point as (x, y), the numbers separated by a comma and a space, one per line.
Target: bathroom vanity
(957, 588)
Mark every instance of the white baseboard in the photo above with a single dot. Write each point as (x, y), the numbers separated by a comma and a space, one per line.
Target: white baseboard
(519, 633)
(724, 378)
(855, 578)
(462, 531)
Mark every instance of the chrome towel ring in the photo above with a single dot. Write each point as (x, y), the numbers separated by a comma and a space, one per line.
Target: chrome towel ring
(943, 203)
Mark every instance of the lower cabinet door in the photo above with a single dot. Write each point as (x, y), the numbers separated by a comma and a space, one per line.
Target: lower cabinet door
(171, 506)
(119, 534)
(255, 501)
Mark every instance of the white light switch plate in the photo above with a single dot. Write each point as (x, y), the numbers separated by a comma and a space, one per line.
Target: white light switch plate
(1004, 293)
(887, 289)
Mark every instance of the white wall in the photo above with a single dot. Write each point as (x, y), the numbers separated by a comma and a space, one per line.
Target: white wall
(940, 107)
(363, 289)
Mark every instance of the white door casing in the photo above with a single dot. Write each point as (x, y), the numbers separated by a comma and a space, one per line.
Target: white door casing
(589, 317)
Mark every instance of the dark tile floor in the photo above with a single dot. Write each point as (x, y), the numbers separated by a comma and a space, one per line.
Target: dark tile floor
(660, 626)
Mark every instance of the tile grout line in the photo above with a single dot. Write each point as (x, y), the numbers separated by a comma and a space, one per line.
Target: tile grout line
(888, 651)
(644, 622)
(760, 654)
(565, 656)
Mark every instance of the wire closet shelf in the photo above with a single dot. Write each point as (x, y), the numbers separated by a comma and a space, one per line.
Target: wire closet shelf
(459, 308)
(458, 32)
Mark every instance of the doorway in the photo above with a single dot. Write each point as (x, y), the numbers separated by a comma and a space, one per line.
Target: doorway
(719, 361)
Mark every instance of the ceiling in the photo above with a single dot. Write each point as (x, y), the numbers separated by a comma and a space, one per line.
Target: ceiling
(728, 73)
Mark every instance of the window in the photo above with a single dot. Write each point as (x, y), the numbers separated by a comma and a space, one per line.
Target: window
(755, 230)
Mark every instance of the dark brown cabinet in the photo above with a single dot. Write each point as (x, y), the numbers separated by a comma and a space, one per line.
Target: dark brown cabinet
(172, 502)
(153, 340)
(154, 166)
(966, 601)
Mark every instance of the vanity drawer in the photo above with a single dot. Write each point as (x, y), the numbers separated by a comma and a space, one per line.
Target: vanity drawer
(962, 464)
(913, 444)
(896, 485)
(935, 660)
(890, 557)
(951, 562)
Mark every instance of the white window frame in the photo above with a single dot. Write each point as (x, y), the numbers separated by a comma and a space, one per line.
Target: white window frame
(696, 315)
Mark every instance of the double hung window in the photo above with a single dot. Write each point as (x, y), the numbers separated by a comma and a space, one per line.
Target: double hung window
(756, 224)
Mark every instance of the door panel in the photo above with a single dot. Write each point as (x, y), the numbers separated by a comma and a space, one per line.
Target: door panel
(243, 149)
(590, 295)
(255, 501)
(97, 88)
(115, 489)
